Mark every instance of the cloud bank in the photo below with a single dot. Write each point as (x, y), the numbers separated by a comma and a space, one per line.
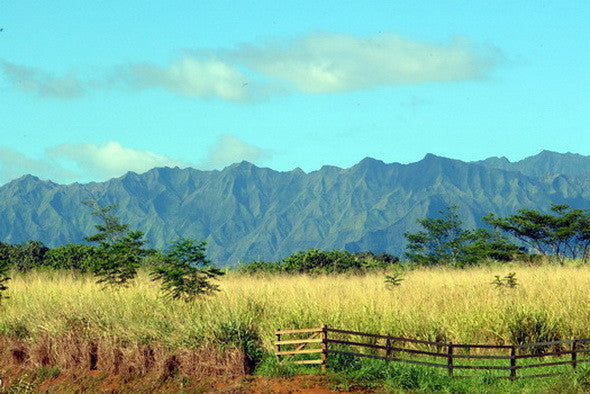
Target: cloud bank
(68, 163)
(14, 164)
(41, 83)
(315, 64)
(191, 77)
(109, 160)
(327, 62)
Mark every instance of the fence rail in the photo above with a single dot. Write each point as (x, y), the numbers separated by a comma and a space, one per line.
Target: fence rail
(398, 349)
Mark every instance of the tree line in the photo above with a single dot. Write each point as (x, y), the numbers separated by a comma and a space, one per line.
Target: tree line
(562, 233)
(115, 256)
(527, 235)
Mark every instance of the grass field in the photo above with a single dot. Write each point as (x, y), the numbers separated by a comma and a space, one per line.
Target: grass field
(441, 304)
(549, 303)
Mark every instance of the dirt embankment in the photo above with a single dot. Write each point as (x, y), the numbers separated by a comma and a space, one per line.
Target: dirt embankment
(71, 363)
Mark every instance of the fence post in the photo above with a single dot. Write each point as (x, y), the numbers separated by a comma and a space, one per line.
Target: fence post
(388, 347)
(574, 354)
(324, 347)
(278, 345)
(512, 362)
(450, 358)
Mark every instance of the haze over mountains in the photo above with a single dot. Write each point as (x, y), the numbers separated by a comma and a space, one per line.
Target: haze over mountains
(246, 212)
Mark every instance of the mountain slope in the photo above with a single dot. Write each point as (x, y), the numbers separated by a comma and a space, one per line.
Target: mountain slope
(246, 212)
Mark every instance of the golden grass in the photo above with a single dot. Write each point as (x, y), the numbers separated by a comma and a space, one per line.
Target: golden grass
(435, 304)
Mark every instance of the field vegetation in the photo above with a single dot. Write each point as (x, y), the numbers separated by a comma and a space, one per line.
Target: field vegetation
(44, 309)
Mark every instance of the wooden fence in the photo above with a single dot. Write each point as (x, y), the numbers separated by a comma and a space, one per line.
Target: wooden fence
(510, 358)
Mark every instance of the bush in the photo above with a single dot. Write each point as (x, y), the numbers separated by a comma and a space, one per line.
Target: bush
(315, 261)
(25, 256)
(260, 266)
(77, 257)
(319, 261)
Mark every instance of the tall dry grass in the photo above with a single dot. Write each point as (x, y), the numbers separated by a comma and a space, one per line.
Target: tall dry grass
(437, 304)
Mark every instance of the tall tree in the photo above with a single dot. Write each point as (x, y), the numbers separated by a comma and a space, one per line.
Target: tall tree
(120, 251)
(185, 271)
(563, 233)
(444, 241)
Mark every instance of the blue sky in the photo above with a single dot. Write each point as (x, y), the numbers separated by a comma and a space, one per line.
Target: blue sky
(89, 92)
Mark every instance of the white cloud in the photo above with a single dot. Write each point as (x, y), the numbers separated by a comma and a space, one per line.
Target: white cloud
(193, 77)
(82, 162)
(99, 162)
(317, 63)
(14, 164)
(328, 62)
(42, 83)
(230, 149)
(110, 159)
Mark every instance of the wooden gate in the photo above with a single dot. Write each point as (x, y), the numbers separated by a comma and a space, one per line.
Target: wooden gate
(297, 345)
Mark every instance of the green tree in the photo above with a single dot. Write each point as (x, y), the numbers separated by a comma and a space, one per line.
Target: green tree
(484, 244)
(444, 241)
(441, 241)
(185, 271)
(563, 233)
(120, 251)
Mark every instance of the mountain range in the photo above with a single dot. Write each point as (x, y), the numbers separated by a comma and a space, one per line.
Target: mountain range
(245, 212)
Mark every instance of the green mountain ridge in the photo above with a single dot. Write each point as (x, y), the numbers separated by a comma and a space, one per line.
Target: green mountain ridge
(246, 212)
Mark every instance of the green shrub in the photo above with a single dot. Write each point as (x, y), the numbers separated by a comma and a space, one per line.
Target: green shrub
(315, 261)
(77, 257)
(260, 266)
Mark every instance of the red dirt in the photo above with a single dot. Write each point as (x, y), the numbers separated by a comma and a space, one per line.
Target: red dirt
(93, 381)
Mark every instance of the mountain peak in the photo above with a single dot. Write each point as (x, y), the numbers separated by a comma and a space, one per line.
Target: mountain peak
(28, 178)
(369, 166)
(369, 161)
(243, 165)
(544, 164)
(431, 157)
(547, 153)
(29, 182)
